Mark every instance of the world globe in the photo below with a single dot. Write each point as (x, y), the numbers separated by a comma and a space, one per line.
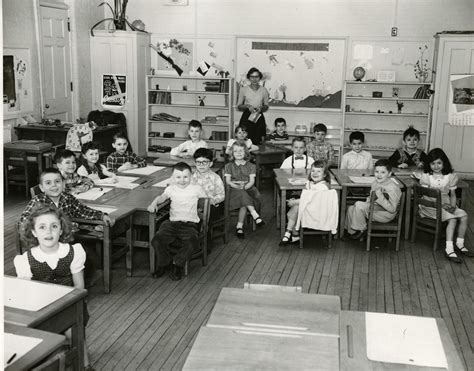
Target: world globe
(359, 73)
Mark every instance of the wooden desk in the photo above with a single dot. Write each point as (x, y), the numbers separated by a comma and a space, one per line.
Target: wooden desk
(57, 134)
(58, 316)
(268, 154)
(270, 311)
(353, 347)
(50, 343)
(226, 349)
(282, 185)
(165, 159)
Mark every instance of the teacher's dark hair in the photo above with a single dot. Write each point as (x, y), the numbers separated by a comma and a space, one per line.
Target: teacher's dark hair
(253, 70)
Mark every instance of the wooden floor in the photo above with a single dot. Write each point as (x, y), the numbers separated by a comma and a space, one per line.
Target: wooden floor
(147, 323)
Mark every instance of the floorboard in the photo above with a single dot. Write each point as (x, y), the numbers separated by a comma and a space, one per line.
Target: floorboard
(147, 323)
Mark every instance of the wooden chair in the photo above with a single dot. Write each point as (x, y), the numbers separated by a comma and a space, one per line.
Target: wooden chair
(103, 238)
(390, 229)
(327, 233)
(204, 206)
(17, 171)
(428, 197)
(57, 362)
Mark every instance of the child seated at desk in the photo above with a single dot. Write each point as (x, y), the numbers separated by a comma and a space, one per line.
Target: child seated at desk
(357, 158)
(318, 179)
(409, 155)
(439, 174)
(280, 131)
(210, 182)
(51, 258)
(73, 182)
(51, 185)
(241, 137)
(387, 202)
(182, 225)
(240, 177)
(90, 168)
(187, 149)
(121, 159)
(298, 160)
(318, 148)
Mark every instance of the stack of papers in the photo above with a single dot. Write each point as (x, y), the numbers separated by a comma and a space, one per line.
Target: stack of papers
(104, 209)
(143, 170)
(92, 194)
(297, 181)
(125, 182)
(362, 179)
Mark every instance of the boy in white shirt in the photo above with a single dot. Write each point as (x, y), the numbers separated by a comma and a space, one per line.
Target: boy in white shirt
(298, 160)
(187, 149)
(182, 225)
(357, 158)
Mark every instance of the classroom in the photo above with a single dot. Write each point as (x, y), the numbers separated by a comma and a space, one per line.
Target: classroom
(247, 184)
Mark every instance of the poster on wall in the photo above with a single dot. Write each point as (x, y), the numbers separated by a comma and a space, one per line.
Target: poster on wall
(114, 90)
(174, 56)
(298, 73)
(17, 85)
(461, 100)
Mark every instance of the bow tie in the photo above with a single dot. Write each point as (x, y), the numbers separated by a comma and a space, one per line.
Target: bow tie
(299, 157)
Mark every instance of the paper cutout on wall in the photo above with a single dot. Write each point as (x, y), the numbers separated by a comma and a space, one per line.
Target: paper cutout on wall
(363, 52)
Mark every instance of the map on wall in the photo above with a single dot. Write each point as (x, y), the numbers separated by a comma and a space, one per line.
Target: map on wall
(298, 73)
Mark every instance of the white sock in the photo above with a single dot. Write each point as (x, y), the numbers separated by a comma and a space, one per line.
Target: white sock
(239, 225)
(449, 247)
(460, 243)
(287, 236)
(254, 214)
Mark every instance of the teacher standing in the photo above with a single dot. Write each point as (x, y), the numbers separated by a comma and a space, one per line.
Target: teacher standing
(253, 101)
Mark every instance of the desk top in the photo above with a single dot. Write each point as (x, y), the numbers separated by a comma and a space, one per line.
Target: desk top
(224, 349)
(49, 343)
(270, 311)
(353, 346)
(29, 318)
(283, 176)
(165, 159)
(268, 148)
(26, 145)
(62, 128)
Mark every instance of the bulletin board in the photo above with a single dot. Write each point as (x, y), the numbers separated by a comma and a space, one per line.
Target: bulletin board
(17, 86)
(298, 73)
(216, 53)
(397, 55)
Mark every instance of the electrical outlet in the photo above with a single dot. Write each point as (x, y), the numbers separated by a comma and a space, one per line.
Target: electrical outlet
(394, 31)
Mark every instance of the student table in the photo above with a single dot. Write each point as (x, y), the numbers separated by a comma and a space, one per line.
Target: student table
(268, 154)
(49, 343)
(57, 134)
(283, 184)
(57, 316)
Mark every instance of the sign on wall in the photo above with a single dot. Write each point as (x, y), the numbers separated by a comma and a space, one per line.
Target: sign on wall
(114, 90)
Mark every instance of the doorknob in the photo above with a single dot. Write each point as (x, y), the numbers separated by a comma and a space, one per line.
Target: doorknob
(46, 105)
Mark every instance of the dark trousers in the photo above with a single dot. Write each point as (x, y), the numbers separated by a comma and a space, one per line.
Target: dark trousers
(175, 242)
(256, 130)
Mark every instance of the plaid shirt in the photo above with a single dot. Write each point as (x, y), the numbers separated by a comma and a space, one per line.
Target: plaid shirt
(74, 180)
(115, 160)
(70, 205)
(322, 151)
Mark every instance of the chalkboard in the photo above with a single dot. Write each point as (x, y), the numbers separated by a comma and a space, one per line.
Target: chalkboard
(9, 92)
(114, 90)
(17, 85)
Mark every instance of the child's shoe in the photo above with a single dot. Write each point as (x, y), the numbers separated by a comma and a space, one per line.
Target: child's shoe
(286, 239)
(464, 251)
(160, 271)
(259, 222)
(240, 233)
(452, 257)
(295, 238)
(176, 273)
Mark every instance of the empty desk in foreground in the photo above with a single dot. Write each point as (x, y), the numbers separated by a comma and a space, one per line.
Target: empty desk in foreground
(47, 307)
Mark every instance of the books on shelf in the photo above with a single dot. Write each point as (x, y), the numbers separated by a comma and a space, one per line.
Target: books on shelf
(163, 116)
(160, 97)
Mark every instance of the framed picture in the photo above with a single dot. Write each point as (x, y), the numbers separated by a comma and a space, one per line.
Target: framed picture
(386, 76)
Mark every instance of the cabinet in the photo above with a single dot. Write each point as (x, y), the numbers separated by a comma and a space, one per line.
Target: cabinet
(123, 53)
(173, 101)
(378, 117)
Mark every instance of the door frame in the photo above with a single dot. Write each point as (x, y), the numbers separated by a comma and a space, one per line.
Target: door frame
(72, 51)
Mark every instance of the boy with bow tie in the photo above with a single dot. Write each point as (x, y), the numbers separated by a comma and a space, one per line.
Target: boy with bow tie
(298, 160)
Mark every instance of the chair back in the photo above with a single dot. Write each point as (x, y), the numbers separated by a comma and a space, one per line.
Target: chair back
(429, 197)
(35, 191)
(204, 209)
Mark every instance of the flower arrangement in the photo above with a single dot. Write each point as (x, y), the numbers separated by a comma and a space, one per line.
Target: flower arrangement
(119, 18)
(420, 68)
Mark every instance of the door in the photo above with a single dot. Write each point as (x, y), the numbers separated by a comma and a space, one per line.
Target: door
(57, 80)
(454, 57)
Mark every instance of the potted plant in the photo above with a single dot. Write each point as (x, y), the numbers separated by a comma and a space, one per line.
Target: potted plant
(118, 18)
(420, 68)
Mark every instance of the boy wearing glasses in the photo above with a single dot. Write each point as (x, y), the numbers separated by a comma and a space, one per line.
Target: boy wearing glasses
(210, 182)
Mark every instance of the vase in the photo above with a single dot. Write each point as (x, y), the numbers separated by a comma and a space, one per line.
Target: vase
(423, 76)
(120, 24)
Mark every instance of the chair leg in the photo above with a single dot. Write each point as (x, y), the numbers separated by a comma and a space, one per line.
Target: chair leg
(397, 241)
(186, 268)
(369, 237)
(329, 240)
(301, 237)
(129, 255)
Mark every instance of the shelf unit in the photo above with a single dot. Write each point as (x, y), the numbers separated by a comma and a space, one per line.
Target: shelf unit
(384, 135)
(179, 96)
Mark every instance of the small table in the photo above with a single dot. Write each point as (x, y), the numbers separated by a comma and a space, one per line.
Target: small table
(49, 343)
(268, 154)
(283, 184)
(57, 316)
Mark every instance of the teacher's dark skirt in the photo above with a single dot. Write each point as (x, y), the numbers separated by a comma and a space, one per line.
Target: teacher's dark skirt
(256, 130)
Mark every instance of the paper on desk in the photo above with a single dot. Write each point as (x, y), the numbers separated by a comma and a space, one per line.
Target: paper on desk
(31, 295)
(407, 340)
(104, 209)
(92, 194)
(17, 344)
(147, 170)
(164, 183)
(297, 181)
(362, 179)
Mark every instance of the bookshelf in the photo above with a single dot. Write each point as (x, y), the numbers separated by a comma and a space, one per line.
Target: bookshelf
(378, 117)
(173, 101)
